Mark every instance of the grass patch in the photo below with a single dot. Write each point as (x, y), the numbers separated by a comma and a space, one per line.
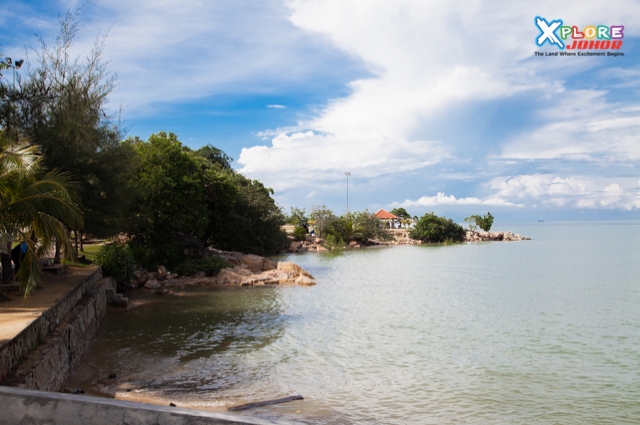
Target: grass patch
(90, 252)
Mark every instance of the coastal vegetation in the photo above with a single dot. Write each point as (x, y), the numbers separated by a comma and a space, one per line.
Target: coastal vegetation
(432, 228)
(66, 172)
(484, 222)
(34, 205)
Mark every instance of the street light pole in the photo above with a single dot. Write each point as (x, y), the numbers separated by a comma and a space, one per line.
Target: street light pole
(14, 66)
(347, 173)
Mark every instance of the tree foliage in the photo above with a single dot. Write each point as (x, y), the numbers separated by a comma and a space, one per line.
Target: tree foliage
(60, 106)
(296, 216)
(432, 228)
(33, 205)
(475, 221)
(181, 191)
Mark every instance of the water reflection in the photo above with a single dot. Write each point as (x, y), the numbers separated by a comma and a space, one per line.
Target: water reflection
(199, 343)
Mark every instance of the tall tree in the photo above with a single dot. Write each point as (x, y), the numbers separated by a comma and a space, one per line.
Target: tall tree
(33, 205)
(60, 106)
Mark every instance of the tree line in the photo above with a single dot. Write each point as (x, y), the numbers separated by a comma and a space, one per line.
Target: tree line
(66, 169)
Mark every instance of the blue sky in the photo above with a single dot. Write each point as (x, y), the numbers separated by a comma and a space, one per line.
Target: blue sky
(433, 106)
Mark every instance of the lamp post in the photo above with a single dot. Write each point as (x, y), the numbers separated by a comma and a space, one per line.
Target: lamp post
(14, 66)
(347, 173)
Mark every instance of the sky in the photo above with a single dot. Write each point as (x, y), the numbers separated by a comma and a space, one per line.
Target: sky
(430, 105)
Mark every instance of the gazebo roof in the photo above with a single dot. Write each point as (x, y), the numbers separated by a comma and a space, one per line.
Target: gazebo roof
(383, 214)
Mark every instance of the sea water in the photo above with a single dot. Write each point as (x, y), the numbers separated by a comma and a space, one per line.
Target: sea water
(545, 331)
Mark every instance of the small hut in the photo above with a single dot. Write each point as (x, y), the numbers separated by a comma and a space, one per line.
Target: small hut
(389, 220)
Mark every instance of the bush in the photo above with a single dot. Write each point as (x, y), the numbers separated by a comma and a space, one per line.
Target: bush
(431, 228)
(485, 222)
(116, 261)
(300, 233)
(210, 266)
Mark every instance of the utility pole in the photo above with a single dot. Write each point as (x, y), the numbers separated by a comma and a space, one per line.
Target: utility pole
(347, 173)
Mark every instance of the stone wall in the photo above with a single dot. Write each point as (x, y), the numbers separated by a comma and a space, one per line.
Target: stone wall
(12, 352)
(51, 362)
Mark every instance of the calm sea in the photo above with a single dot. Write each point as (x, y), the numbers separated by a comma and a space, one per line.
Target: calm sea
(545, 331)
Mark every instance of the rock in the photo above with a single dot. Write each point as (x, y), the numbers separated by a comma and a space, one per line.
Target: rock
(353, 244)
(112, 375)
(293, 246)
(74, 390)
(321, 248)
(229, 277)
(305, 281)
(199, 275)
(172, 405)
(293, 269)
(268, 265)
(141, 276)
(162, 270)
(153, 284)
(253, 262)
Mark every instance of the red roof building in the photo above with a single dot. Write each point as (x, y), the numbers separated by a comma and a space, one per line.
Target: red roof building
(385, 215)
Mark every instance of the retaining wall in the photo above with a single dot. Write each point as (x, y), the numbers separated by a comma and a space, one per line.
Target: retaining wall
(12, 352)
(50, 364)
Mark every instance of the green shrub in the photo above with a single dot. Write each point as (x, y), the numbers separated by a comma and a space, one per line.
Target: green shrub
(300, 233)
(116, 261)
(431, 228)
(485, 222)
(210, 266)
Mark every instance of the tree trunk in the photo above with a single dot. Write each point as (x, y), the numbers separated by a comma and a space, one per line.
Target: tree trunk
(6, 268)
(81, 244)
(56, 257)
(75, 237)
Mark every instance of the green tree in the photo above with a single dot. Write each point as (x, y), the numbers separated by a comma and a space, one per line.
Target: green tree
(170, 184)
(60, 106)
(296, 216)
(472, 222)
(322, 218)
(33, 205)
(432, 228)
(485, 222)
(400, 212)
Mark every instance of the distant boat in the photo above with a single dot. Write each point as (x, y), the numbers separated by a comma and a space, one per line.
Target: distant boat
(540, 221)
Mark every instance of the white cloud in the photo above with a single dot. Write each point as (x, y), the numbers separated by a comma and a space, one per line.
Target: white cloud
(442, 199)
(574, 192)
(581, 125)
(276, 107)
(543, 189)
(428, 60)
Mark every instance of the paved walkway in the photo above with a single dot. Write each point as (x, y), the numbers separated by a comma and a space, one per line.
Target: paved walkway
(17, 314)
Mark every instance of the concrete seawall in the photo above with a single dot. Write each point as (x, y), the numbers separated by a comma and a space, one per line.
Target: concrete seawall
(14, 351)
(21, 406)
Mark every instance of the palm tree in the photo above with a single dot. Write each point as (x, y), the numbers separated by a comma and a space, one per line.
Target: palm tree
(33, 205)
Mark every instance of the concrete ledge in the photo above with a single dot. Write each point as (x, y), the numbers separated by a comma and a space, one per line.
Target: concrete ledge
(21, 406)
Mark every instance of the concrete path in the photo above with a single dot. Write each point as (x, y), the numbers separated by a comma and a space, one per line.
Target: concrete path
(17, 314)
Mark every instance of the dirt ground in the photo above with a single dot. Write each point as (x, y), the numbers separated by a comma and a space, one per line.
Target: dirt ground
(17, 313)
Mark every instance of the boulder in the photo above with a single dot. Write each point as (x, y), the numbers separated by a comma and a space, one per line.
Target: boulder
(153, 284)
(268, 265)
(292, 269)
(141, 276)
(162, 270)
(228, 277)
(253, 262)
(293, 246)
(321, 248)
(199, 275)
(305, 281)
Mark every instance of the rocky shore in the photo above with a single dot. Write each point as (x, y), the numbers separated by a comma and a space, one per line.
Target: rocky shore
(401, 237)
(246, 270)
(494, 236)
